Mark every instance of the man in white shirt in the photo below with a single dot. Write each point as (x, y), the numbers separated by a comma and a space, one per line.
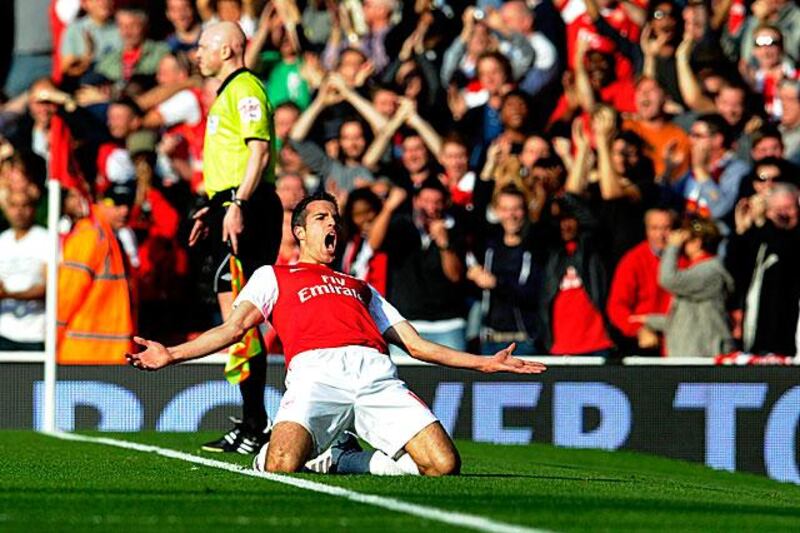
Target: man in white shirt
(23, 256)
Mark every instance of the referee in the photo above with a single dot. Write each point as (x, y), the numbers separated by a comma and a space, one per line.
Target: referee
(244, 216)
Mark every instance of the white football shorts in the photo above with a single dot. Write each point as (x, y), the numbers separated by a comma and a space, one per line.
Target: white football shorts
(354, 388)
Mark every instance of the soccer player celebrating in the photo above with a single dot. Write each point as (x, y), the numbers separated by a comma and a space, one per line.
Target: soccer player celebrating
(335, 330)
(244, 216)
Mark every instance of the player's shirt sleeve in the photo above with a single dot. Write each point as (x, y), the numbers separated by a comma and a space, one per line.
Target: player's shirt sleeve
(261, 291)
(383, 313)
(250, 106)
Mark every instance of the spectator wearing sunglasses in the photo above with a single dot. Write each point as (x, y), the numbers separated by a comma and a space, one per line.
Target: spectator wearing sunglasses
(782, 14)
(770, 66)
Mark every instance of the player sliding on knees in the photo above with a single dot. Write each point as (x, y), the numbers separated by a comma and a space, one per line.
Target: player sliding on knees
(339, 377)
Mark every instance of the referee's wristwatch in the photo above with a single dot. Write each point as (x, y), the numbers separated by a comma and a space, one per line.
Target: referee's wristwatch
(241, 202)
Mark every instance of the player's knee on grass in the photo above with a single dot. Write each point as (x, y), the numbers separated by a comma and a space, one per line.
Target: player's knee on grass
(443, 463)
(434, 452)
(289, 448)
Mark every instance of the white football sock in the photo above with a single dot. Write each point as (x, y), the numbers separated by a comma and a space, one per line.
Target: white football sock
(381, 465)
(407, 465)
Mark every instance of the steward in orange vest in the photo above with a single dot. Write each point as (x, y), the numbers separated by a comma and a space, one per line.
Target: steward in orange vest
(95, 322)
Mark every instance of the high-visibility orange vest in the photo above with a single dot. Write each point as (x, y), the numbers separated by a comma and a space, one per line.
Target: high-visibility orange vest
(95, 322)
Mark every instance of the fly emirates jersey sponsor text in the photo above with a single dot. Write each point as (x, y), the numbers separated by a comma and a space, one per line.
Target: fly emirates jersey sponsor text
(312, 306)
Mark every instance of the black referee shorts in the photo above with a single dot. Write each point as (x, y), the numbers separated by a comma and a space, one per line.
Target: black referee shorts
(258, 243)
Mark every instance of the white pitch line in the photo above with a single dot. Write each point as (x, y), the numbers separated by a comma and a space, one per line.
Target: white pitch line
(429, 513)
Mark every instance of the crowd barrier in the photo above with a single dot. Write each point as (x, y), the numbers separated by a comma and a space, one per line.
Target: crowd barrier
(742, 418)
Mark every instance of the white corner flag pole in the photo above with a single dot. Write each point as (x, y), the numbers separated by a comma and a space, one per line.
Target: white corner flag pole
(51, 306)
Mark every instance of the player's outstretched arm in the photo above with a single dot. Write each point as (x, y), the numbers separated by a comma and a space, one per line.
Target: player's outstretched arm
(156, 356)
(404, 335)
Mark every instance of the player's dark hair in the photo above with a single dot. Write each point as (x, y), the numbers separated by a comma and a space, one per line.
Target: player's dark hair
(300, 212)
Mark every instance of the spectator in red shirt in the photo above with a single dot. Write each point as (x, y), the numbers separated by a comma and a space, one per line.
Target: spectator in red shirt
(635, 289)
(574, 286)
(603, 24)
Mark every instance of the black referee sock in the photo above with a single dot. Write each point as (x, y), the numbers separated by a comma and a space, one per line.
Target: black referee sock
(254, 415)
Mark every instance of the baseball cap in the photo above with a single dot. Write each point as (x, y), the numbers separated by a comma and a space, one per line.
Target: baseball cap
(120, 194)
(141, 141)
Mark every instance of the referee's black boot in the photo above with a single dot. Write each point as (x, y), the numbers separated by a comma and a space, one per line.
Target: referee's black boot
(240, 439)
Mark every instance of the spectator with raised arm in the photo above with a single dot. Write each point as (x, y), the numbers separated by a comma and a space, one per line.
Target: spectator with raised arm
(783, 14)
(660, 37)
(378, 19)
(764, 258)
(625, 18)
(89, 38)
(460, 60)
(421, 130)
(711, 186)
(652, 124)
(426, 265)
(520, 19)
(697, 322)
(275, 53)
(594, 80)
(341, 174)
(362, 256)
(620, 194)
(574, 291)
(482, 125)
(769, 67)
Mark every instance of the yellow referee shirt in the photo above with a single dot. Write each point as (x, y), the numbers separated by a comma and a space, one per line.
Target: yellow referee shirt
(241, 112)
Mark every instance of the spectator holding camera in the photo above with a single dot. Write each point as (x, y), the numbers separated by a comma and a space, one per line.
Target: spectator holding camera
(764, 257)
(697, 323)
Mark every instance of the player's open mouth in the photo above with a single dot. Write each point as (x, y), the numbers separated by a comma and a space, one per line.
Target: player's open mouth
(330, 242)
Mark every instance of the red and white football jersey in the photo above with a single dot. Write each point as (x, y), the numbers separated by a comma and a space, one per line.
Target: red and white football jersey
(312, 307)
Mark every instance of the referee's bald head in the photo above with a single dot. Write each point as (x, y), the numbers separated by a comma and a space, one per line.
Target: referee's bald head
(220, 44)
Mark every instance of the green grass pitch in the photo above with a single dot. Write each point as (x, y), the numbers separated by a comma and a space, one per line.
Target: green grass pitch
(53, 485)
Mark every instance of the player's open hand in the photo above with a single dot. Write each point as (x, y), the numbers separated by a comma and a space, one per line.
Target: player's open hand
(154, 357)
(503, 361)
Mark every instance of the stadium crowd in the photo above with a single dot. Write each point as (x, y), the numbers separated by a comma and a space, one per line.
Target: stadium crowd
(581, 177)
